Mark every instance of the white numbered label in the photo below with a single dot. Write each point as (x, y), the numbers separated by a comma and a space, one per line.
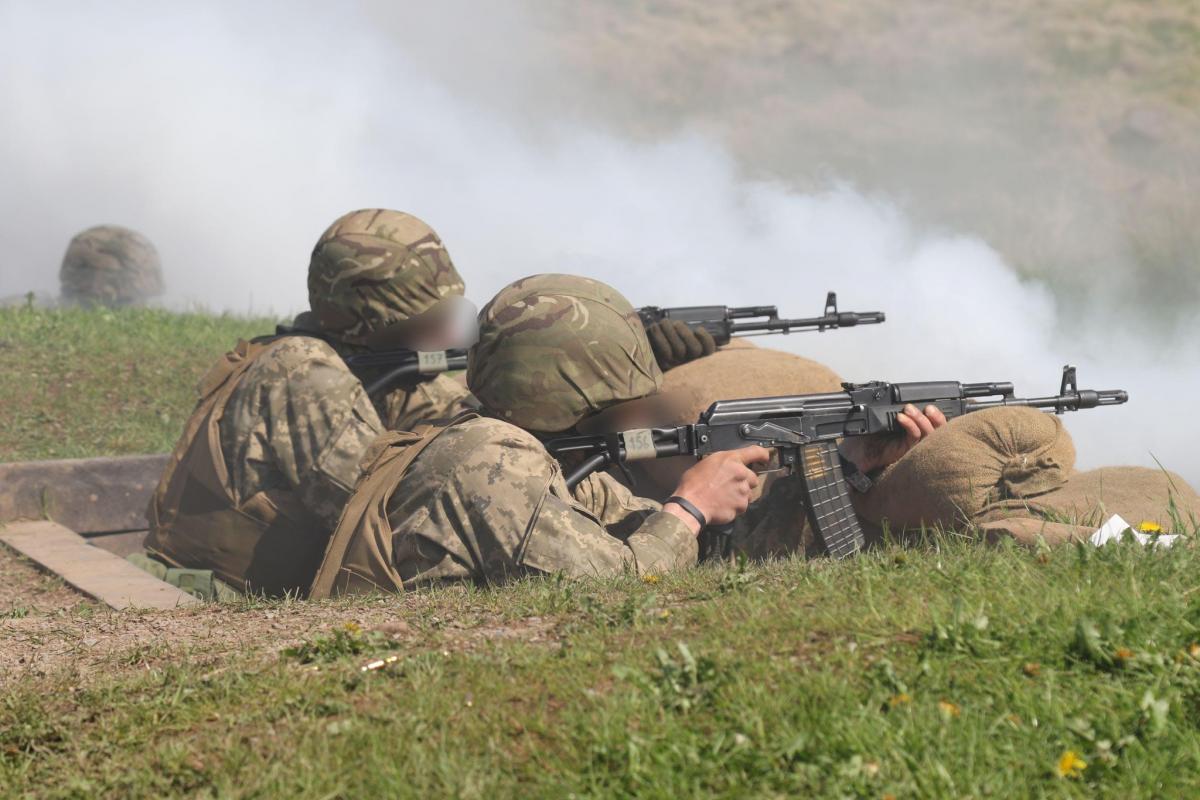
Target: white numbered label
(431, 362)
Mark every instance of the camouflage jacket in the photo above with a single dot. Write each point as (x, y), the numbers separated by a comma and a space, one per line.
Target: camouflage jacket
(442, 397)
(485, 501)
(299, 421)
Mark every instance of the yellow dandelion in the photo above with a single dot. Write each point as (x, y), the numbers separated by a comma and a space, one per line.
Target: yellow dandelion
(1149, 526)
(664, 614)
(1070, 765)
(1194, 650)
(650, 579)
(949, 710)
(897, 700)
(352, 628)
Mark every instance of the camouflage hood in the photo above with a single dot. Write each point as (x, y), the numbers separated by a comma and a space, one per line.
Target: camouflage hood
(555, 348)
(374, 268)
(111, 266)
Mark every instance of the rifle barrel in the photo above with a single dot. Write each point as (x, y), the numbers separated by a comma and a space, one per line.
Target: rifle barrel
(845, 319)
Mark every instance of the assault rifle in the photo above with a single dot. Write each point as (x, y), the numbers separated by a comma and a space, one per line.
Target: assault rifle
(723, 322)
(805, 429)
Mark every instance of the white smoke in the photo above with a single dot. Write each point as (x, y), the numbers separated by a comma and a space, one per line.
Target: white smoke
(232, 134)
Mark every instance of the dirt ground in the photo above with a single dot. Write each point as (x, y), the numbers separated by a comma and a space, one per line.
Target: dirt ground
(48, 630)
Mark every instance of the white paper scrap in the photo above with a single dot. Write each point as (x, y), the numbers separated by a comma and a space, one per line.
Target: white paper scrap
(1115, 528)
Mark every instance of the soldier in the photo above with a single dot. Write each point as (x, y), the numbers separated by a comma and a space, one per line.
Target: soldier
(271, 452)
(110, 266)
(483, 500)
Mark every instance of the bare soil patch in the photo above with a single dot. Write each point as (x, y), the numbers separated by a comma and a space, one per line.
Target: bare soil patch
(56, 632)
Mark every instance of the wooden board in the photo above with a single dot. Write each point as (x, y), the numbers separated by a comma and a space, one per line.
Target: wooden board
(89, 495)
(97, 573)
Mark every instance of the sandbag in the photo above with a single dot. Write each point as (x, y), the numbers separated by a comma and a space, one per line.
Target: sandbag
(742, 370)
(1034, 532)
(976, 460)
(1137, 494)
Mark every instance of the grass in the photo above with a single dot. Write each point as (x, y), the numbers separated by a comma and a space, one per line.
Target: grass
(947, 670)
(955, 671)
(80, 383)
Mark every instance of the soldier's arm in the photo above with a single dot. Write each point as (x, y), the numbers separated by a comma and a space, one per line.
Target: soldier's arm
(443, 397)
(321, 424)
(506, 510)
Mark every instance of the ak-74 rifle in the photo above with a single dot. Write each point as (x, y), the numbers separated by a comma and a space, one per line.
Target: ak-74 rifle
(722, 322)
(805, 429)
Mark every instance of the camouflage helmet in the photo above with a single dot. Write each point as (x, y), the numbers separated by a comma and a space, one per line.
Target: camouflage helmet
(111, 266)
(553, 349)
(373, 268)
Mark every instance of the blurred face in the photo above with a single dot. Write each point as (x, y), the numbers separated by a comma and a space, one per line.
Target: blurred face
(448, 324)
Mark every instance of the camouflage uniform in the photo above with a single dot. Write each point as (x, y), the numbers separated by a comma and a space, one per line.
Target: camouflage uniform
(299, 421)
(283, 424)
(484, 500)
(110, 266)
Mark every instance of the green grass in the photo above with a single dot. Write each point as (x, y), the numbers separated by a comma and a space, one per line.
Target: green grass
(77, 383)
(952, 672)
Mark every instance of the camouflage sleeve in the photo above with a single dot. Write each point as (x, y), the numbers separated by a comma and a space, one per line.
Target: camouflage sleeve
(316, 423)
(617, 508)
(635, 534)
(442, 397)
(493, 504)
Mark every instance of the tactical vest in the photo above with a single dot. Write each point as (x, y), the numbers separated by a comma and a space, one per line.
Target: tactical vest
(266, 543)
(359, 557)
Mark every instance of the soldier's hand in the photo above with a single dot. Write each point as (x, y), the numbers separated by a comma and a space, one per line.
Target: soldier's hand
(720, 486)
(870, 453)
(675, 342)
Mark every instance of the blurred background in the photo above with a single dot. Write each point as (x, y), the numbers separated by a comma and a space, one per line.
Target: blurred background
(1014, 183)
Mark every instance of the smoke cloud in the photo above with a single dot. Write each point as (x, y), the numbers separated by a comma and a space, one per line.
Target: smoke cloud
(232, 134)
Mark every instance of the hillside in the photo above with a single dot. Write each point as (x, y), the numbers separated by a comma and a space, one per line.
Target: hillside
(1065, 134)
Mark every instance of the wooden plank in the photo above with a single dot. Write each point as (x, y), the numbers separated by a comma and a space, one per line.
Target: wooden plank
(97, 573)
(88, 495)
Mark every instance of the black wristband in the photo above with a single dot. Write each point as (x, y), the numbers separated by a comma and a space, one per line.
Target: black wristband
(687, 506)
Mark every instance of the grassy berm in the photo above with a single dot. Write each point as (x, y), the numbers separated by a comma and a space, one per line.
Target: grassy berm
(950, 670)
(77, 383)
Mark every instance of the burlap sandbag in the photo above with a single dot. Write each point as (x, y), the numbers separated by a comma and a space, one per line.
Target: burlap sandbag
(1137, 494)
(974, 461)
(1034, 533)
(740, 370)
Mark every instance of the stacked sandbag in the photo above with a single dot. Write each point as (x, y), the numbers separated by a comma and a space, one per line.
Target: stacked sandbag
(1138, 494)
(975, 461)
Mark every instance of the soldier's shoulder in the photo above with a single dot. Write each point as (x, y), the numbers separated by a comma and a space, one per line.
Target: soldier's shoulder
(294, 353)
(298, 362)
(486, 432)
